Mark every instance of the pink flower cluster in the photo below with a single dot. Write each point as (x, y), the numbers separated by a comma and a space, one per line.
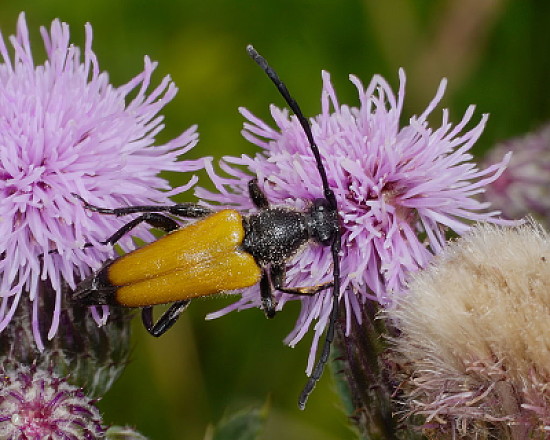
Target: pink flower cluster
(64, 129)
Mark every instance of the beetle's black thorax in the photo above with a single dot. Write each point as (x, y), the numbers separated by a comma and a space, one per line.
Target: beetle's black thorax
(273, 235)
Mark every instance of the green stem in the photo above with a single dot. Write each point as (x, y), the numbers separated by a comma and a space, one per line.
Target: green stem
(365, 380)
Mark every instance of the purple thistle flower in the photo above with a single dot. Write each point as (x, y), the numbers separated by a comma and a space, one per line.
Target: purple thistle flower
(523, 187)
(394, 185)
(64, 129)
(35, 404)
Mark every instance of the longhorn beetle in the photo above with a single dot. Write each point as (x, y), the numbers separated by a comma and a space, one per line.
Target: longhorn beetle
(220, 251)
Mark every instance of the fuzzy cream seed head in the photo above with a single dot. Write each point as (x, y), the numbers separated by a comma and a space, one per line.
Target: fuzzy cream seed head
(475, 335)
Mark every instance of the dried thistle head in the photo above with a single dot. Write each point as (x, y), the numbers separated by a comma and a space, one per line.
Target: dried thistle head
(475, 337)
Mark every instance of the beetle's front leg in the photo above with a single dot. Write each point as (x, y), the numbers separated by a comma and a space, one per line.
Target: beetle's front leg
(278, 272)
(266, 292)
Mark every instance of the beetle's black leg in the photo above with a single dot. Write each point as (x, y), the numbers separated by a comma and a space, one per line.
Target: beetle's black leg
(329, 336)
(335, 245)
(189, 210)
(268, 302)
(257, 195)
(171, 315)
(278, 279)
(153, 219)
(186, 210)
(167, 319)
(98, 282)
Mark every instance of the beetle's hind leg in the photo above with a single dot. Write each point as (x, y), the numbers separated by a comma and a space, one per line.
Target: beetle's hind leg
(186, 210)
(153, 219)
(278, 272)
(150, 215)
(96, 289)
(170, 316)
(167, 319)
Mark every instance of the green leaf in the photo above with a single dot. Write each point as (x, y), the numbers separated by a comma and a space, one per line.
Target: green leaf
(243, 425)
(123, 433)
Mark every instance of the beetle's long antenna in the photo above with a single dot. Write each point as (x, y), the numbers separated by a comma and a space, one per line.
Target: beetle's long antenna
(329, 195)
(335, 246)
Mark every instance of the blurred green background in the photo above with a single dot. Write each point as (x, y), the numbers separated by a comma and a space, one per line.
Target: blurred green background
(494, 53)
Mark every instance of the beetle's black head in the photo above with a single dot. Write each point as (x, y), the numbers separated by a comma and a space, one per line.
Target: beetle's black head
(323, 222)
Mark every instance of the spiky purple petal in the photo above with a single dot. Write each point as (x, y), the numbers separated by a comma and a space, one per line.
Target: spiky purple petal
(65, 129)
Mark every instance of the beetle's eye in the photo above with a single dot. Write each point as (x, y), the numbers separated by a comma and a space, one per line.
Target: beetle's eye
(320, 204)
